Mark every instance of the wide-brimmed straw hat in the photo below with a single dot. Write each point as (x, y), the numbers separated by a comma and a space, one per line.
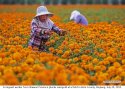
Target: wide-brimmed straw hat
(42, 10)
(74, 14)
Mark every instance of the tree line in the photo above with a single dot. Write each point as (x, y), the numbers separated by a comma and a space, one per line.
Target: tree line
(62, 1)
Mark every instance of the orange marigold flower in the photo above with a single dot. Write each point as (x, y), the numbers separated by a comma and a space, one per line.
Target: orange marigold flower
(110, 59)
(10, 79)
(51, 49)
(59, 51)
(95, 61)
(97, 68)
(61, 79)
(76, 59)
(116, 64)
(30, 60)
(52, 41)
(26, 82)
(71, 46)
(85, 57)
(16, 56)
(66, 54)
(76, 51)
(103, 55)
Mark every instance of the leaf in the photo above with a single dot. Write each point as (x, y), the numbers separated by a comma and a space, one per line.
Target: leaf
(53, 82)
(92, 73)
(37, 82)
(48, 66)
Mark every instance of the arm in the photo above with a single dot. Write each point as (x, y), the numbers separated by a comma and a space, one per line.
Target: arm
(60, 32)
(36, 30)
(56, 29)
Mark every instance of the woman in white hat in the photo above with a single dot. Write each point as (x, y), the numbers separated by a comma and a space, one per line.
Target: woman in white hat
(41, 27)
(78, 18)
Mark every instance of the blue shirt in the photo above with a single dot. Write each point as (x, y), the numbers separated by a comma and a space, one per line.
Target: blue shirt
(81, 19)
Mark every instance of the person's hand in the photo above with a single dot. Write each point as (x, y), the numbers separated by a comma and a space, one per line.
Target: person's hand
(48, 32)
(63, 32)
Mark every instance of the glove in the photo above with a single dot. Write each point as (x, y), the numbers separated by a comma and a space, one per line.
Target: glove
(42, 32)
(47, 32)
(63, 32)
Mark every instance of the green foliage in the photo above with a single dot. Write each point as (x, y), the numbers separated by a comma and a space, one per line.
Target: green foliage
(37, 82)
(48, 66)
(53, 82)
(59, 1)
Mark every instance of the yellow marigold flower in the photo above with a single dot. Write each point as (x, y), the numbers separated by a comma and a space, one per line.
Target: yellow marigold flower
(0, 60)
(123, 61)
(2, 82)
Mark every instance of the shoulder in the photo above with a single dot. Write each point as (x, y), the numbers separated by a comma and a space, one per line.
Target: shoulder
(50, 21)
(80, 16)
(34, 20)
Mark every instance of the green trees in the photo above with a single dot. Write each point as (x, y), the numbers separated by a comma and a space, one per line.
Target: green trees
(20, 1)
(62, 1)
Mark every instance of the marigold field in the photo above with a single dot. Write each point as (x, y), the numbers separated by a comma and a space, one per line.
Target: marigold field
(86, 55)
